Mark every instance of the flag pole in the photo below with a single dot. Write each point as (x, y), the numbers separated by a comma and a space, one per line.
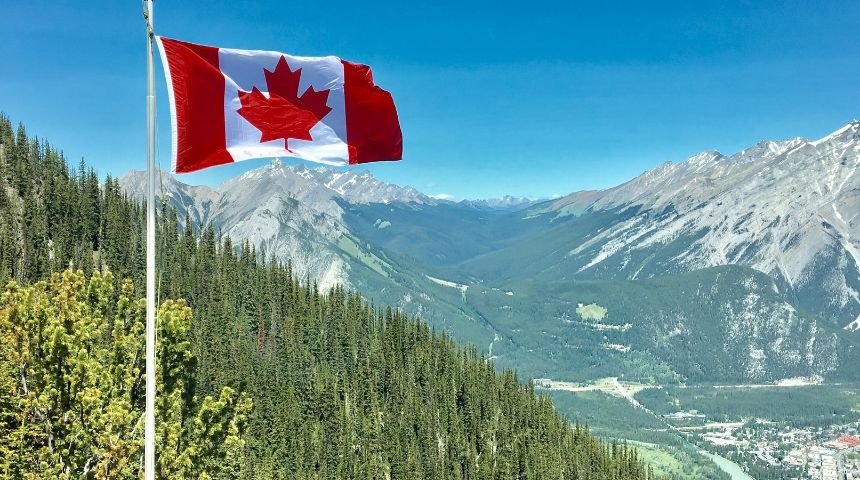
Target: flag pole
(149, 435)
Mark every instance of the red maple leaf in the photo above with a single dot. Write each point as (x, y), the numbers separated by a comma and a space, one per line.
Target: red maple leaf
(284, 114)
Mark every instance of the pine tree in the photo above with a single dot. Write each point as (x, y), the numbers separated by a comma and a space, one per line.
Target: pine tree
(71, 370)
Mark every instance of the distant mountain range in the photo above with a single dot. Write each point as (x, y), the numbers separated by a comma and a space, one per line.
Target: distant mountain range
(720, 268)
(508, 202)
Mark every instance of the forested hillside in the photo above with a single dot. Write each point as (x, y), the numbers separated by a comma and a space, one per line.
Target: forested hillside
(340, 388)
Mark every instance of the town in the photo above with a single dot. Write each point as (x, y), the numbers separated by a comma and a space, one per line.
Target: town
(810, 453)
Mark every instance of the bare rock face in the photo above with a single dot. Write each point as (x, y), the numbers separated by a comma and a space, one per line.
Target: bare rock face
(289, 212)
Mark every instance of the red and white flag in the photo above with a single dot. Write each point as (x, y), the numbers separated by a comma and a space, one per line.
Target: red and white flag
(230, 105)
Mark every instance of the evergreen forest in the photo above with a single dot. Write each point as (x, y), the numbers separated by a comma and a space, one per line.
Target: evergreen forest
(261, 374)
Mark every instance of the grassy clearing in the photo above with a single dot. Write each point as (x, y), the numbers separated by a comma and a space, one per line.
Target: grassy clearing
(592, 311)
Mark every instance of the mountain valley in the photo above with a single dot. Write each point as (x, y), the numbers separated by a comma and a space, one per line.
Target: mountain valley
(738, 268)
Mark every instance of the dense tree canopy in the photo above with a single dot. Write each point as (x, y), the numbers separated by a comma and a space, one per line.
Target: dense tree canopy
(72, 383)
(341, 388)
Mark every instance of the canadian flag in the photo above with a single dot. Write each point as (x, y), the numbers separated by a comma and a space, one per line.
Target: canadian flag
(230, 105)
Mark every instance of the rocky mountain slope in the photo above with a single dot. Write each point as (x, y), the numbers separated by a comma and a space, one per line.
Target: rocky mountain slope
(287, 211)
(788, 209)
(778, 219)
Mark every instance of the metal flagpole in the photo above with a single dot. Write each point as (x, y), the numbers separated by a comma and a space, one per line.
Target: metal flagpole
(149, 435)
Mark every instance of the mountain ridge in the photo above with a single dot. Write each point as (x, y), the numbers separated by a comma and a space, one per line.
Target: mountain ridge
(777, 207)
(785, 209)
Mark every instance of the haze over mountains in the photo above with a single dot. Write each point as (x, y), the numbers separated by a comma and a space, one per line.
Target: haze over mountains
(720, 268)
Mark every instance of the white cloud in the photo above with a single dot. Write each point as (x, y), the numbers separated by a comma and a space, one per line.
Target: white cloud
(442, 196)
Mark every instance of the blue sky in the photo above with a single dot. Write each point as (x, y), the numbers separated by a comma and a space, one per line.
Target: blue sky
(523, 98)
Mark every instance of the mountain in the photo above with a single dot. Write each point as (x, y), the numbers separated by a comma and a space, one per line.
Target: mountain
(507, 202)
(766, 236)
(295, 213)
(724, 323)
(290, 212)
(788, 209)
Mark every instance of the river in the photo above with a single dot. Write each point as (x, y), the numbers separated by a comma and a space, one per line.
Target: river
(728, 466)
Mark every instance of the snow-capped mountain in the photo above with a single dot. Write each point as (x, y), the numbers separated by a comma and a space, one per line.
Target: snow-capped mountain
(507, 202)
(788, 208)
(289, 211)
